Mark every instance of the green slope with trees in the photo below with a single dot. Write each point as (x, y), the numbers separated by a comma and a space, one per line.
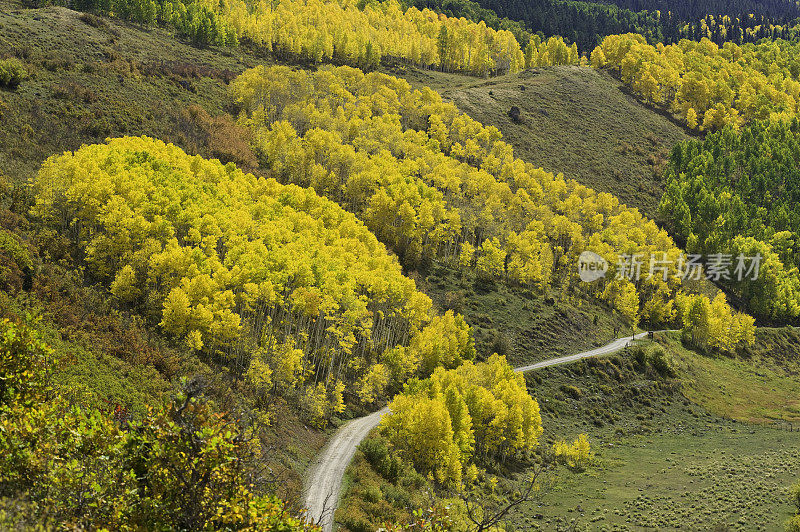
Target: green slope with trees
(149, 264)
(736, 193)
(574, 121)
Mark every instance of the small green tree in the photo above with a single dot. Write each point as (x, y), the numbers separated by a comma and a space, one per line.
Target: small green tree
(12, 73)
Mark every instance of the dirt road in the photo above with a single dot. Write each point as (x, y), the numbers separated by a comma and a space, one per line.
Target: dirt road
(324, 480)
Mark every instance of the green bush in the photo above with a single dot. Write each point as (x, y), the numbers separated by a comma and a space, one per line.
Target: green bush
(372, 493)
(794, 492)
(12, 73)
(500, 343)
(16, 264)
(639, 355)
(793, 524)
(12, 246)
(374, 450)
(354, 519)
(572, 391)
(661, 361)
(397, 496)
(377, 454)
(25, 364)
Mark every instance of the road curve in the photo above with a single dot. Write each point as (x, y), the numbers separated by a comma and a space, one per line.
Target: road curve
(613, 347)
(324, 480)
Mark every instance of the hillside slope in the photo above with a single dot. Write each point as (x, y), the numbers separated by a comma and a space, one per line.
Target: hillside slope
(112, 78)
(92, 78)
(573, 120)
(95, 78)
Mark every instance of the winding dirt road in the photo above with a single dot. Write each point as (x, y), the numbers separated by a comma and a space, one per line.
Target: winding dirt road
(324, 479)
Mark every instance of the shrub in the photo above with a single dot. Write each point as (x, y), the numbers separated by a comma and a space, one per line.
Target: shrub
(572, 391)
(661, 361)
(500, 344)
(397, 496)
(16, 265)
(218, 137)
(411, 479)
(372, 493)
(795, 495)
(575, 456)
(793, 524)
(354, 519)
(24, 364)
(377, 454)
(70, 90)
(12, 73)
(454, 300)
(639, 355)
(93, 20)
(374, 450)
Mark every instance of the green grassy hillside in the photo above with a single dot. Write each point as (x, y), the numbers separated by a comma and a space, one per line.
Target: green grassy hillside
(674, 451)
(573, 120)
(93, 78)
(759, 387)
(90, 79)
(523, 326)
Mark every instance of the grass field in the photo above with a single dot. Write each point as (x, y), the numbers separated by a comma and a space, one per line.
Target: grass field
(519, 324)
(576, 121)
(761, 387)
(713, 476)
(674, 453)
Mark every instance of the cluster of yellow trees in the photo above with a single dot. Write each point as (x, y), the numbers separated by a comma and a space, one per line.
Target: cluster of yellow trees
(709, 86)
(363, 34)
(342, 31)
(575, 455)
(434, 184)
(443, 423)
(554, 51)
(279, 283)
(712, 324)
